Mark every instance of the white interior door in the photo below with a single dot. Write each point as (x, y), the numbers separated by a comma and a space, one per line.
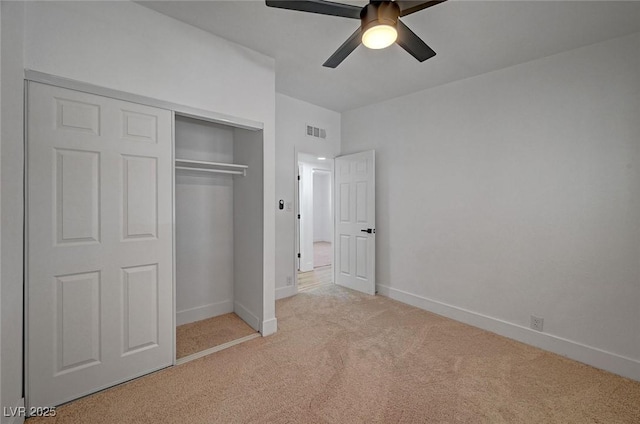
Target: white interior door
(99, 273)
(355, 221)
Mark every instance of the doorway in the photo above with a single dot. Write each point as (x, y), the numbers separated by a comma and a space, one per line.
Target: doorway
(314, 239)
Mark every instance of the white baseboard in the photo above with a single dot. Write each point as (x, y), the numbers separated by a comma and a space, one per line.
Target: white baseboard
(203, 312)
(269, 327)
(617, 364)
(247, 316)
(288, 291)
(18, 418)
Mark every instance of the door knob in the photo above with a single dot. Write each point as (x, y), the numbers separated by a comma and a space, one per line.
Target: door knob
(369, 230)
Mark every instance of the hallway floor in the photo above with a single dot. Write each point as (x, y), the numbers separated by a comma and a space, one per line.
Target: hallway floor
(318, 277)
(321, 254)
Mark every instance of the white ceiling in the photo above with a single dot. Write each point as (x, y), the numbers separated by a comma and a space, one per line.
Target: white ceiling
(469, 37)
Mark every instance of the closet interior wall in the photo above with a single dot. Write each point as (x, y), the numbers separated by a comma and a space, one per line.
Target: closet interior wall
(204, 222)
(248, 207)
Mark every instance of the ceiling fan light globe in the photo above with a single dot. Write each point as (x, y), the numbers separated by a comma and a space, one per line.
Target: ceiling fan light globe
(379, 36)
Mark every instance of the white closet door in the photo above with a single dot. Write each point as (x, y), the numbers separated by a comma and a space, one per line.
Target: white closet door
(99, 270)
(355, 218)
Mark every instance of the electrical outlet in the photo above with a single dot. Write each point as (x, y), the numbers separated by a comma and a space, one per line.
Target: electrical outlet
(537, 323)
(289, 280)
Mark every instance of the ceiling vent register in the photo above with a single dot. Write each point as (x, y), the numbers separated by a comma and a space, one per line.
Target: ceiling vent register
(316, 132)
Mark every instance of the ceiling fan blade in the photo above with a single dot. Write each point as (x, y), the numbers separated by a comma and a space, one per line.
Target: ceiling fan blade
(318, 6)
(409, 7)
(413, 44)
(344, 50)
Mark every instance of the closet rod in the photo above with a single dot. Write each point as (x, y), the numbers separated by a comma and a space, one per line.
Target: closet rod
(206, 163)
(219, 171)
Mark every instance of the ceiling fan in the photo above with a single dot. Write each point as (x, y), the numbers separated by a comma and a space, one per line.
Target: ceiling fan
(380, 25)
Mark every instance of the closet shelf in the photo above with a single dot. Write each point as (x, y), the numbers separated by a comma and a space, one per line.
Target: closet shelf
(205, 166)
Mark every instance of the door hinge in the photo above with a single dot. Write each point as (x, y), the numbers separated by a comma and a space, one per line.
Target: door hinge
(298, 216)
(298, 177)
(298, 255)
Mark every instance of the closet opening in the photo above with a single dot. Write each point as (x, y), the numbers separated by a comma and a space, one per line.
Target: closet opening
(315, 226)
(218, 190)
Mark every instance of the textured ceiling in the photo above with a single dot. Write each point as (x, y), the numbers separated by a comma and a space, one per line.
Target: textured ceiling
(470, 38)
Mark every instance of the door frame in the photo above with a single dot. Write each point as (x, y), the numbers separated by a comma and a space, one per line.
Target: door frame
(321, 165)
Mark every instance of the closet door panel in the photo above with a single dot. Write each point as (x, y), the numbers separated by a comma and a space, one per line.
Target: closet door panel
(99, 243)
(76, 115)
(77, 196)
(140, 299)
(140, 189)
(77, 321)
(138, 126)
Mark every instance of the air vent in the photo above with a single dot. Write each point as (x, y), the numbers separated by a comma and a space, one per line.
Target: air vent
(316, 132)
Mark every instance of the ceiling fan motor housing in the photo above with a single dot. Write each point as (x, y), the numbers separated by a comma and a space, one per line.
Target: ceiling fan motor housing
(379, 13)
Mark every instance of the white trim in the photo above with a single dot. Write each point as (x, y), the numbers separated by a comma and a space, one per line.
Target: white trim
(246, 316)
(296, 221)
(174, 311)
(215, 349)
(269, 327)
(287, 291)
(25, 249)
(182, 110)
(617, 364)
(203, 312)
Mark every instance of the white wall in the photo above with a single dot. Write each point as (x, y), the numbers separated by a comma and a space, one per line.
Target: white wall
(128, 47)
(291, 117)
(248, 230)
(204, 223)
(123, 46)
(12, 205)
(322, 206)
(514, 193)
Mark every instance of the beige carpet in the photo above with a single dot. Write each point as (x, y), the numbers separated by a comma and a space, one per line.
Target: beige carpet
(201, 335)
(343, 357)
